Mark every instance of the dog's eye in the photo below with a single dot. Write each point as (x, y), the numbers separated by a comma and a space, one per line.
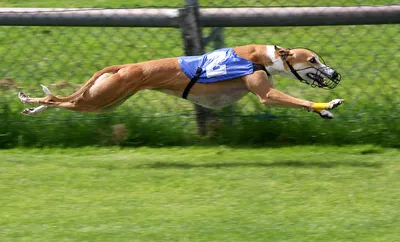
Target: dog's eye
(313, 60)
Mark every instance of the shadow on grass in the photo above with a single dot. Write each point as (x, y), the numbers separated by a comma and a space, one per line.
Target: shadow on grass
(284, 163)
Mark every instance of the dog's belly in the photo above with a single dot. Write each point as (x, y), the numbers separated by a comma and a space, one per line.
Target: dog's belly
(218, 100)
(213, 95)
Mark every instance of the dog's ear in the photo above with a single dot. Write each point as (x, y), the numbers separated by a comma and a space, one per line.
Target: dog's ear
(283, 53)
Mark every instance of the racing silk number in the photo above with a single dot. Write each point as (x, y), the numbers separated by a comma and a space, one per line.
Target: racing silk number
(218, 65)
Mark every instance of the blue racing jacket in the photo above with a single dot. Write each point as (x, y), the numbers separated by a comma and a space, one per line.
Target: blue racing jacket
(218, 65)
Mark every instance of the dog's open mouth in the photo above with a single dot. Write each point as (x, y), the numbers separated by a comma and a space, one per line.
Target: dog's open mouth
(320, 80)
(323, 80)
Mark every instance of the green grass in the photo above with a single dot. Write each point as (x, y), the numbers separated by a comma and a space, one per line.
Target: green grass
(304, 193)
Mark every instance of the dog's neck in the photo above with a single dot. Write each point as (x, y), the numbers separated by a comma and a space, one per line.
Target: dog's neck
(277, 67)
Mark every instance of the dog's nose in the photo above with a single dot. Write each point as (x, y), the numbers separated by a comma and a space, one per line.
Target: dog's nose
(335, 74)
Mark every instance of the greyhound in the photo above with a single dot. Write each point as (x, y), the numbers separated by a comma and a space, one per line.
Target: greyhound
(213, 80)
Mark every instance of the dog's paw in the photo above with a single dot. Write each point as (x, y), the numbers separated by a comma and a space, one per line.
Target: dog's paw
(334, 103)
(326, 114)
(28, 111)
(34, 111)
(23, 97)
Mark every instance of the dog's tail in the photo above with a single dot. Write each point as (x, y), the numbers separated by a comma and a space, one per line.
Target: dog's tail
(85, 87)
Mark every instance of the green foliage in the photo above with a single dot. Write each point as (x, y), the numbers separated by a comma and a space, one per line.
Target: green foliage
(364, 55)
(306, 130)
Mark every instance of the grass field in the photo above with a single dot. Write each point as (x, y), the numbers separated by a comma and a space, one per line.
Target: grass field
(304, 193)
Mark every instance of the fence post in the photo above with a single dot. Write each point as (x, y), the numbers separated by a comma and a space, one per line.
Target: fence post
(218, 44)
(193, 43)
(219, 38)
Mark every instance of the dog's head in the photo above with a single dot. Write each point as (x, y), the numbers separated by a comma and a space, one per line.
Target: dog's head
(308, 67)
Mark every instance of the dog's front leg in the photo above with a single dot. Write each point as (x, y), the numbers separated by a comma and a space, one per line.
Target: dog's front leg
(280, 98)
(330, 105)
(322, 113)
(257, 83)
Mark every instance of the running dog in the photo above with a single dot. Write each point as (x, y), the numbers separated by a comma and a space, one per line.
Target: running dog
(216, 79)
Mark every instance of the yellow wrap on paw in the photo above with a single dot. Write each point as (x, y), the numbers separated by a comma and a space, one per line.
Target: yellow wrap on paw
(319, 106)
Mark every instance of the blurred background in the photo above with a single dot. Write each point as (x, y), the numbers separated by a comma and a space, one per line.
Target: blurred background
(64, 57)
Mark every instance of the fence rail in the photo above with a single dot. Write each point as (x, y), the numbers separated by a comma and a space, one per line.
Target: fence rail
(299, 16)
(209, 17)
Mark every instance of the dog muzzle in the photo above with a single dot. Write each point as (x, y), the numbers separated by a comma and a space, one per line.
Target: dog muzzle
(323, 77)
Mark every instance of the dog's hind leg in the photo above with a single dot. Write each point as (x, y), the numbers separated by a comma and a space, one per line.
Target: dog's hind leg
(112, 90)
(108, 91)
(28, 100)
(48, 99)
(33, 111)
